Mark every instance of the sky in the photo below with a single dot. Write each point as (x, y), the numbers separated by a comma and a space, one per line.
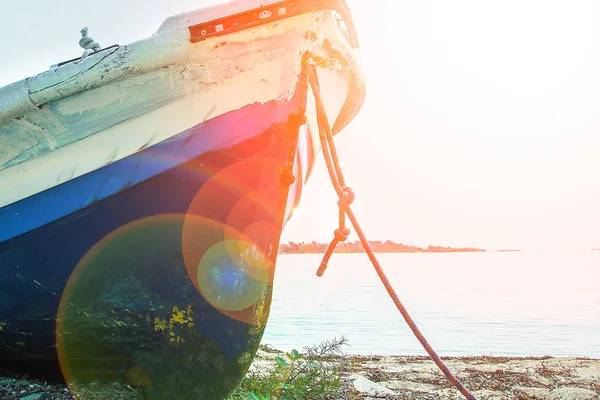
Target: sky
(480, 127)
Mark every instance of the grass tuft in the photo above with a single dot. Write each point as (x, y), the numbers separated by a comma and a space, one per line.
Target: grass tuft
(317, 373)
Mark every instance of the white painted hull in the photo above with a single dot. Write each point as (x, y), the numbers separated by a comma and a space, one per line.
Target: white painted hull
(162, 86)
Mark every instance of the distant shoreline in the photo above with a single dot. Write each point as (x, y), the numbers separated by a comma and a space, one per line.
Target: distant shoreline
(377, 246)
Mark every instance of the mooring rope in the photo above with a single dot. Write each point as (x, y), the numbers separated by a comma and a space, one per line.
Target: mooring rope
(346, 197)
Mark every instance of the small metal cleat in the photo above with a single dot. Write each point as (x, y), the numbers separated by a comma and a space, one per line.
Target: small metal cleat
(88, 43)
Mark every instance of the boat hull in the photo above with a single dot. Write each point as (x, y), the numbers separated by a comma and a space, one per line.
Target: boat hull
(166, 284)
(145, 190)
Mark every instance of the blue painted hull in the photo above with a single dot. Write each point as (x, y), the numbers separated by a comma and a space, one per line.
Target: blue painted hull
(155, 271)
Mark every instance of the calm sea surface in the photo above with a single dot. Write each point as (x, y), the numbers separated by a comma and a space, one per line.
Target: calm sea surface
(514, 304)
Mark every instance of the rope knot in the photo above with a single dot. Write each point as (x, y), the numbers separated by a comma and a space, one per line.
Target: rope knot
(342, 234)
(348, 197)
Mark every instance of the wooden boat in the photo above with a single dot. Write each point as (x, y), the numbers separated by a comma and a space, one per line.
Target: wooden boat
(144, 188)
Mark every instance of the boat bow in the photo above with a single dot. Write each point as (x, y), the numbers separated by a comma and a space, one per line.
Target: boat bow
(145, 188)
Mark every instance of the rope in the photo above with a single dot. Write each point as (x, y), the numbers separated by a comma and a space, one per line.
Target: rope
(346, 197)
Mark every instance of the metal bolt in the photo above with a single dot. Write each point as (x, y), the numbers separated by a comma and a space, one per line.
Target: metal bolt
(265, 14)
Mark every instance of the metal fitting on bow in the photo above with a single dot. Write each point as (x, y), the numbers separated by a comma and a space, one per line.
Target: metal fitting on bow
(88, 43)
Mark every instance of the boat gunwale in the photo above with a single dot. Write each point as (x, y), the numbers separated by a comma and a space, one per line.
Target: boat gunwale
(265, 14)
(29, 94)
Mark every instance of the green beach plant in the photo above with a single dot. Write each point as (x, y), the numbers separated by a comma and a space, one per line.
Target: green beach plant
(317, 373)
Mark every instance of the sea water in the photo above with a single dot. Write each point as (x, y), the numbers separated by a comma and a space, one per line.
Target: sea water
(494, 303)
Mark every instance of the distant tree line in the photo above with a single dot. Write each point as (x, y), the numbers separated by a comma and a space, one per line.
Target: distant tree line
(377, 246)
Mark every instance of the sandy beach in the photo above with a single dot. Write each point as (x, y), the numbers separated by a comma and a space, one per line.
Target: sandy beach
(491, 378)
(404, 377)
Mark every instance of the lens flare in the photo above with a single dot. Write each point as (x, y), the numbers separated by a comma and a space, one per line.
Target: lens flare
(254, 214)
(131, 314)
(229, 284)
(236, 276)
(232, 275)
(256, 180)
